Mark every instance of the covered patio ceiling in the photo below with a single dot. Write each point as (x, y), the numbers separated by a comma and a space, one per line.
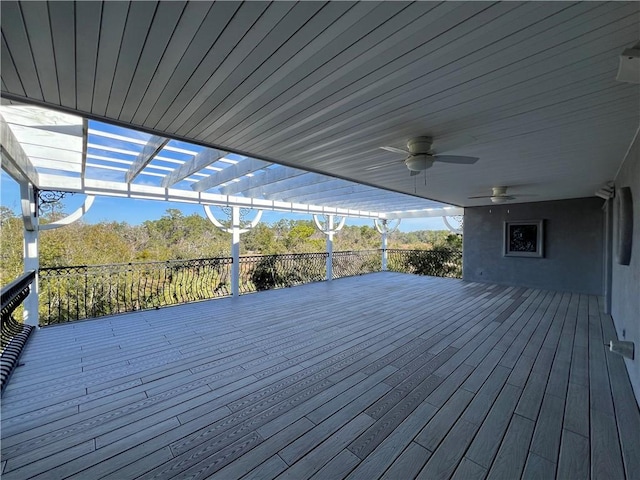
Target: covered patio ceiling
(528, 87)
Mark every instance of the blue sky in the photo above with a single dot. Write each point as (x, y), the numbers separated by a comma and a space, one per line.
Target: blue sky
(134, 212)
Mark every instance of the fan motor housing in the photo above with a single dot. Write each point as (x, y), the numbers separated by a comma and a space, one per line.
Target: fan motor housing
(419, 145)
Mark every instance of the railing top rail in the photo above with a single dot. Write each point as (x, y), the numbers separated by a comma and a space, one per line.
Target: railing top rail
(424, 250)
(371, 250)
(288, 255)
(10, 290)
(229, 259)
(136, 264)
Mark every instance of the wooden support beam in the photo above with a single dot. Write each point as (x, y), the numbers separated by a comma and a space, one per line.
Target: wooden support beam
(299, 184)
(240, 169)
(150, 150)
(428, 212)
(263, 181)
(201, 160)
(351, 191)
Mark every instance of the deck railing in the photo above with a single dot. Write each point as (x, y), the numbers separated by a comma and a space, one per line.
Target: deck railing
(266, 272)
(87, 291)
(77, 292)
(358, 262)
(14, 333)
(436, 263)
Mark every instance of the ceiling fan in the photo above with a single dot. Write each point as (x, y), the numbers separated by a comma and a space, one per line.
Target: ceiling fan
(498, 195)
(420, 157)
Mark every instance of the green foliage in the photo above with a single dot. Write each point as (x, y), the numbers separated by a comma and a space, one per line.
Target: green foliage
(356, 238)
(175, 236)
(278, 271)
(424, 239)
(266, 275)
(439, 262)
(11, 263)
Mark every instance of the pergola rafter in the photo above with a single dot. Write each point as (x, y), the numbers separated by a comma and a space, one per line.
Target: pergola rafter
(199, 162)
(308, 184)
(352, 190)
(269, 180)
(230, 173)
(149, 152)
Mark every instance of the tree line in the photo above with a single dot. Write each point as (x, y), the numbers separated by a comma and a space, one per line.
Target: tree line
(176, 236)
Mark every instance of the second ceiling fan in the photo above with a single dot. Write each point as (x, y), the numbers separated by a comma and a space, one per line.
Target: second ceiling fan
(500, 195)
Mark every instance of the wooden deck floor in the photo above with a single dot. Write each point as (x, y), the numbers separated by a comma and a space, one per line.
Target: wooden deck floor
(381, 376)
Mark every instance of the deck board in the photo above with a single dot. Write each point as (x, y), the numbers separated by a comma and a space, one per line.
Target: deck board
(380, 376)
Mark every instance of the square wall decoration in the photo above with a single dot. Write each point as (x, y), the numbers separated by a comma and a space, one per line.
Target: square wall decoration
(524, 239)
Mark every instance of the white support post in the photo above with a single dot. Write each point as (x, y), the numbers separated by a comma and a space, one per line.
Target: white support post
(384, 251)
(329, 228)
(235, 251)
(31, 250)
(329, 234)
(236, 230)
(384, 227)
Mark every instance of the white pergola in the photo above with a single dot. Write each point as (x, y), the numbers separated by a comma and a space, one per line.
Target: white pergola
(44, 149)
(58, 151)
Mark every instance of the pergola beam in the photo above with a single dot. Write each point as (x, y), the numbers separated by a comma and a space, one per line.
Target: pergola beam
(150, 192)
(240, 169)
(425, 213)
(363, 199)
(150, 150)
(314, 184)
(266, 181)
(203, 159)
(353, 191)
(14, 161)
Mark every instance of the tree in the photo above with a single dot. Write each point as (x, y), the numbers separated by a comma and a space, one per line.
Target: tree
(11, 244)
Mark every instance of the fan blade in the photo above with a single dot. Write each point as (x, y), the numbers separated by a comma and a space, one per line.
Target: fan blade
(382, 165)
(456, 159)
(413, 173)
(506, 197)
(395, 150)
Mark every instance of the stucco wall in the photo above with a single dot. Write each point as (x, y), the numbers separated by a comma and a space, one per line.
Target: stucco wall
(573, 246)
(625, 294)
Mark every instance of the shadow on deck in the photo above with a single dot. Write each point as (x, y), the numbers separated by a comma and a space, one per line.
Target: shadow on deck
(385, 375)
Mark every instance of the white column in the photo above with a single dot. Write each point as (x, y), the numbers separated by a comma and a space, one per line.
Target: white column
(384, 251)
(31, 253)
(329, 228)
(235, 251)
(329, 232)
(384, 227)
(235, 232)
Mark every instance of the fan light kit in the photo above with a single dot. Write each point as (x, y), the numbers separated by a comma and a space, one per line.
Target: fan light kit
(418, 163)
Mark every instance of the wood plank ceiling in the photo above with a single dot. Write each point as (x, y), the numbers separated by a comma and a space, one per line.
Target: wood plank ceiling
(529, 87)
